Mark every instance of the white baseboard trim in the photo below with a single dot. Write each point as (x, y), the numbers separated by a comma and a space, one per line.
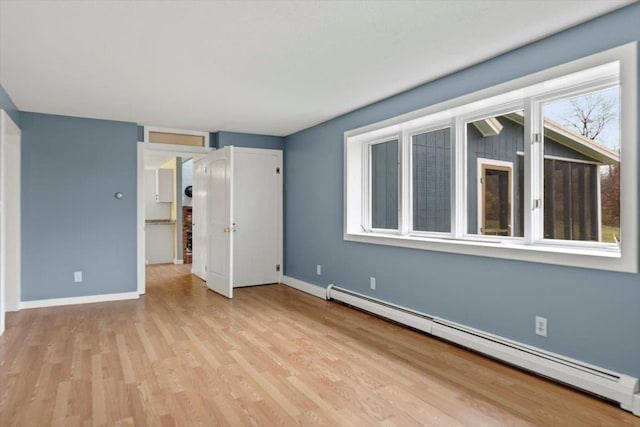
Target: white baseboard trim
(53, 302)
(611, 385)
(178, 261)
(315, 290)
(12, 307)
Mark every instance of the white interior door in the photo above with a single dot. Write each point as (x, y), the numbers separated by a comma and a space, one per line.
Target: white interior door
(200, 237)
(220, 224)
(257, 213)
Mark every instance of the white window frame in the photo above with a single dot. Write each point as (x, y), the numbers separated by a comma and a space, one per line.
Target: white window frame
(538, 104)
(367, 211)
(618, 65)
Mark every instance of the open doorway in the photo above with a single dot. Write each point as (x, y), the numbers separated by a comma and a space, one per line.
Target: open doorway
(496, 197)
(164, 207)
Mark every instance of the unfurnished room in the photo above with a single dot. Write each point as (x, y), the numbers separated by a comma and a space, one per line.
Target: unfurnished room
(319, 213)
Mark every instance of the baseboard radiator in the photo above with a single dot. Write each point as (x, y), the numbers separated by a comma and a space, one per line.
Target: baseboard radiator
(619, 388)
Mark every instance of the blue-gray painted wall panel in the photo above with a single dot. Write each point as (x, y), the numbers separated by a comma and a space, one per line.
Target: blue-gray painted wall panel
(593, 315)
(213, 139)
(249, 140)
(71, 221)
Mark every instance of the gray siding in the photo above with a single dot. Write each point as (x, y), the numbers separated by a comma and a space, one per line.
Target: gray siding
(504, 147)
(552, 148)
(384, 185)
(431, 181)
(237, 139)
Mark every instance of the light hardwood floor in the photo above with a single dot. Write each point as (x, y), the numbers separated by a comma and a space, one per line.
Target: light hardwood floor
(182, 355)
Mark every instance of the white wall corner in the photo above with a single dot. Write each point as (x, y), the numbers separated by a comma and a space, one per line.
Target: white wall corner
(315, 290)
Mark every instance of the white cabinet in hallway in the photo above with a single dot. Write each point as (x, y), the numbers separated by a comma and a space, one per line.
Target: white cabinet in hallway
(164, 185)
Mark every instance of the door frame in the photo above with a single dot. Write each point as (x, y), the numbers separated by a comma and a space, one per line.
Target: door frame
(145, 147)
(200, 239)
(483, 164)
(10, 182)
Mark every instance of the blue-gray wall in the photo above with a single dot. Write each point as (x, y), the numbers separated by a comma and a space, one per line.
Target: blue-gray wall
(213, 139)
(248, 140)
(71, 221)
(593, 315)
(6, 103)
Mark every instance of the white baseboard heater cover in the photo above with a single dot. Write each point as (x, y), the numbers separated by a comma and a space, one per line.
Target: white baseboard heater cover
(620, 388)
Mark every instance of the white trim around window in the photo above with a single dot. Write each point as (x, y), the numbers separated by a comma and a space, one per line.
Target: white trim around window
(616, 66)
(367, 210)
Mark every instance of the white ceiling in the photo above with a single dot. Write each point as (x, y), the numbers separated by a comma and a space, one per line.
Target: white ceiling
(253, 66)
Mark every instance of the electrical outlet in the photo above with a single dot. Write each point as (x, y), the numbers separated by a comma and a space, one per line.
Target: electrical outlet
(372, 283)
(77, 276)
(541, 326)
(319, 270)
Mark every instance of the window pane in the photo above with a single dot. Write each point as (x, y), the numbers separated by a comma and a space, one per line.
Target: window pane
(495, 175)
(384, 185)
(582, 167)
(431, 181)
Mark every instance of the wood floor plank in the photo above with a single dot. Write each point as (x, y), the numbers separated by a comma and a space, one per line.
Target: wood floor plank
(184, 356)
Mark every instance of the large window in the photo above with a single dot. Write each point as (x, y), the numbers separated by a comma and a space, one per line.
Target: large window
(532, 169)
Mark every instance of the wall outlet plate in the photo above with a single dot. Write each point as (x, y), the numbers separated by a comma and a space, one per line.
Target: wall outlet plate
(319, 270)
(77, 276)
(541, 326)
(372, 283)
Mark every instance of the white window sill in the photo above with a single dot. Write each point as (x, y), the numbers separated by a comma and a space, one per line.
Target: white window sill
(604, 257)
